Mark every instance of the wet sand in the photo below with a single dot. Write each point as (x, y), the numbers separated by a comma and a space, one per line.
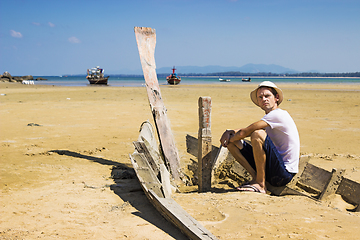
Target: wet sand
(60, 146)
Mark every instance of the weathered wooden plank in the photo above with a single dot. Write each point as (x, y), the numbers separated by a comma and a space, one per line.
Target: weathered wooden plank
(221, 156)
(285, 190)
(145, 175)
(193, 148)
(204, 144)
(315, 177)
(180, 218)
(192, 145)
(146, 41)
(147, 135)
(141, 148)
(350, 190)
(165, 181)
(333, 184)
(303, 161)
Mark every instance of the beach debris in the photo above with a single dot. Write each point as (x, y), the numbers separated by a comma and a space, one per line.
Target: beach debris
(93, 187)
(28, 82)
(156, 184)
(146, 41)
(121, 173)
(34, 125)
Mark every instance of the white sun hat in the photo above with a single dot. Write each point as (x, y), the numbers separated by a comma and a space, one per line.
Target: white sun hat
(253, 94)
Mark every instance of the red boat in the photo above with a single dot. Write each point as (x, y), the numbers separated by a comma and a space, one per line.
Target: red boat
(173, 78)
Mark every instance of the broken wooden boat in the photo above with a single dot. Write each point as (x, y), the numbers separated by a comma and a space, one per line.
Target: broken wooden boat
(155, 180)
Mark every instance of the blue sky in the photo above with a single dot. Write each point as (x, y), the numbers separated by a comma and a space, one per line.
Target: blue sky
(50, 37)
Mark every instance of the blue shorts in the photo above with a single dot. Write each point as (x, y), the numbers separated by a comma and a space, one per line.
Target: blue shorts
(275, 171)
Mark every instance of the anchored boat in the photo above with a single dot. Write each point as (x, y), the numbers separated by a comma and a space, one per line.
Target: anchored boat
(96, 76)
(173, 78)
(224, 80)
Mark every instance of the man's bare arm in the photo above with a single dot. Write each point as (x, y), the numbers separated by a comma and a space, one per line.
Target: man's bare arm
(246, 132)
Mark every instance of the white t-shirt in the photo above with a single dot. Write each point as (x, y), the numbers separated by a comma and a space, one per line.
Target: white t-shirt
(284, 134)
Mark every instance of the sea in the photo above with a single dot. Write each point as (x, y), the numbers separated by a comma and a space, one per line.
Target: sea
(124, 81)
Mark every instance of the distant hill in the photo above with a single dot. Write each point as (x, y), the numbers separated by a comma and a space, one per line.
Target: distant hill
(248, 68)
(273, 68)
(196, 69)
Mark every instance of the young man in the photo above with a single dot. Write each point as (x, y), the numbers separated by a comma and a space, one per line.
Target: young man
(273, 155)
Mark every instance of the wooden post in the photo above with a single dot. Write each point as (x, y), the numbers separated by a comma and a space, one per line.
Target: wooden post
(204, 144)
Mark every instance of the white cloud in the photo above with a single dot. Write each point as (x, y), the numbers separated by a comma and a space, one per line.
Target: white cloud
(36, 23)
(51, 24)
(74, 40)
(15, 34)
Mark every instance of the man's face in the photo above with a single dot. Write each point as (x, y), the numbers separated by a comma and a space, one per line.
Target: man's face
(266, 99)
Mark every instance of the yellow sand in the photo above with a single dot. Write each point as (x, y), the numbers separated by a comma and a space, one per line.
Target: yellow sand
(71, 195)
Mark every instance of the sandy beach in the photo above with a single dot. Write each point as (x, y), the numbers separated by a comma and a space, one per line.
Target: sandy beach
(60, 147)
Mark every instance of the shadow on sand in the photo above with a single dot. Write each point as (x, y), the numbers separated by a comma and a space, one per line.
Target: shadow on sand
(128, 188)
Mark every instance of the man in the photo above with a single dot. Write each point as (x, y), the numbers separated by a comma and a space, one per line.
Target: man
(273, 155)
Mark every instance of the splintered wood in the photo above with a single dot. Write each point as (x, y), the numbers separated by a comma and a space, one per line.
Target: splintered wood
(204, 144)
(146, 41)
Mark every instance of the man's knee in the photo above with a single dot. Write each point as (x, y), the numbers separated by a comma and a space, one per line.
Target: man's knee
(258, 136)
(235, 145)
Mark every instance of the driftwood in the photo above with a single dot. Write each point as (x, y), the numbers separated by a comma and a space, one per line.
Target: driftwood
(157, 187)
(146, 41)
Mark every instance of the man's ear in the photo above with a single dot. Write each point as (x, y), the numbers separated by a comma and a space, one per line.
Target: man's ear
(277, 97)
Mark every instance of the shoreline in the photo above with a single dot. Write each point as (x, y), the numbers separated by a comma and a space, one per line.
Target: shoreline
(247, 76)
(316, 85)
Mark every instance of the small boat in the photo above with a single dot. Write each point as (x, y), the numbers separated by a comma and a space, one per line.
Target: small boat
(173, 78)
(96, 76)
(224, 80)
(246, 79)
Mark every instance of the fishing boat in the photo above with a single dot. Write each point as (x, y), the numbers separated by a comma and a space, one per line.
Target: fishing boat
(246, 79)
(224, 80)
(173, 78)
(96, 76)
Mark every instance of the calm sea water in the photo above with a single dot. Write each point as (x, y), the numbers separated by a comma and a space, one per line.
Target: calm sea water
(139, 81)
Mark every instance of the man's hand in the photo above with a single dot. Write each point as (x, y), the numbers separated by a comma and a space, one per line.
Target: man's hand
(225, 138)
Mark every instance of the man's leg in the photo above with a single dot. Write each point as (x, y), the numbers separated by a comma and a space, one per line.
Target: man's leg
(257, 141)
(234, 149)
